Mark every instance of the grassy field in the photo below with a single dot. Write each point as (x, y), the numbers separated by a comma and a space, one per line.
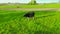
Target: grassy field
(31, 6)
(44, 22)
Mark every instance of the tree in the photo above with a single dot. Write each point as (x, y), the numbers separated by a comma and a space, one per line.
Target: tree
(33, 2)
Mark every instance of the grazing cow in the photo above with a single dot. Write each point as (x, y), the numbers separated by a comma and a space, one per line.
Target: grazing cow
(29, 14)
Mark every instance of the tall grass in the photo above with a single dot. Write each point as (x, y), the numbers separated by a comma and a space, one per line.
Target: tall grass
(44, 22)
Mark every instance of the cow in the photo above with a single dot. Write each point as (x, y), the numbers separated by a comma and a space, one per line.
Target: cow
(29, 14)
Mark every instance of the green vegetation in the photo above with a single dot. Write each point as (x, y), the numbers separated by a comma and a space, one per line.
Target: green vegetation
(31, 6)
(33, 2)
(44, 22)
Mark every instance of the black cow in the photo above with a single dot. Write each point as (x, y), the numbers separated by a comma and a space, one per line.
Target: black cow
(29, 14)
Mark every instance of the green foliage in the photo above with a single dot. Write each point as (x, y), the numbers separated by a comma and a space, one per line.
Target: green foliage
(44, 22)
(32, 3)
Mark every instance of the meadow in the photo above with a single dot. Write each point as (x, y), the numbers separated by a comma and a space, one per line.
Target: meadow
(44, 22)
(52, 5)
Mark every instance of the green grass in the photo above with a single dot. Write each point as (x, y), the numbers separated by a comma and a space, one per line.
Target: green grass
(32, 6)
(44, 22)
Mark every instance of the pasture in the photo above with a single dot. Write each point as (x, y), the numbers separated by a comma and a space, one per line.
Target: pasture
(53, 5)
(44, 22)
